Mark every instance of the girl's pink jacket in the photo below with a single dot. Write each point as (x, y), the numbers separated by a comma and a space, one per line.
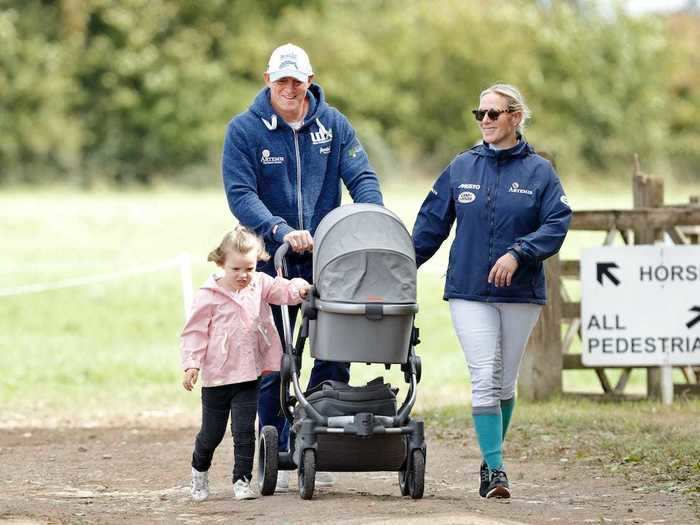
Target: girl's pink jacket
(230, 336)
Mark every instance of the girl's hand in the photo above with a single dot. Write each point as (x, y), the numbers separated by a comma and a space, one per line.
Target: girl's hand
(190, 378)
(304, 291)
(502, 272)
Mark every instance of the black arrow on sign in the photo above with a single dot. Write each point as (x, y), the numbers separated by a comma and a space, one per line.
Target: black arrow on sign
(696, 320)
(604, 269)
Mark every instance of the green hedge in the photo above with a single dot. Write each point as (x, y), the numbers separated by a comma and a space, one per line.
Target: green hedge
(140, 90)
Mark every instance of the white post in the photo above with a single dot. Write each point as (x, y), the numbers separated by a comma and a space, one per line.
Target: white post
(185, 261)
(667, 384)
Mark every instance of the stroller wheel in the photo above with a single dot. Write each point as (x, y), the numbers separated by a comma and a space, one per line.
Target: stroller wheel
(412, 480)
(267, 460)
(403, 483)
(307, 474)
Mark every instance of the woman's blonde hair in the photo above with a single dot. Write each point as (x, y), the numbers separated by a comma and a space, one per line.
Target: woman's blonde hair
(516, 101)
(239, 240)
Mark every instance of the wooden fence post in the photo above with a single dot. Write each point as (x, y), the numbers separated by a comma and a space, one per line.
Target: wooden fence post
(541, 368)
(694, 235)
(648, 193)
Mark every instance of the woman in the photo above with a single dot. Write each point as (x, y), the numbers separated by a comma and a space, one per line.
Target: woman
(511, 215)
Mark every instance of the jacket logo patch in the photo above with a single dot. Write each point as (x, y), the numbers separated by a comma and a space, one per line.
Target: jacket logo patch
(355, 150)
(325, 150)
(267, 159)
(322, 136)
(515, 188)
(270, 124)
(565, 201)
(466, 197)
(469, 186)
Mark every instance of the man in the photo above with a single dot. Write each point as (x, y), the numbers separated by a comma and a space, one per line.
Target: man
(283, 161)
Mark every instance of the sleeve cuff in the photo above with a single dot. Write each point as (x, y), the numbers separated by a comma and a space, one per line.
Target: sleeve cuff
(296, 285)
(517, 252)
(190, 363)
(281, 229)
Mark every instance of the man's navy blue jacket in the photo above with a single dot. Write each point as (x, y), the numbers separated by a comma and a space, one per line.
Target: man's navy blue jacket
(502, 200)
(275, 176)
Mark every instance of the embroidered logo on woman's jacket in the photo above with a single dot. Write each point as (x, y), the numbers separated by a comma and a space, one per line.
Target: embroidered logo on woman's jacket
(466, 197)
(515, 188)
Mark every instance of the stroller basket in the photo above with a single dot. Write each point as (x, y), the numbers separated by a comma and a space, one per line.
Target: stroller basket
(345, 453)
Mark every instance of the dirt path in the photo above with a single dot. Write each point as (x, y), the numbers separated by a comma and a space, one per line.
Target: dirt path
(141, 475)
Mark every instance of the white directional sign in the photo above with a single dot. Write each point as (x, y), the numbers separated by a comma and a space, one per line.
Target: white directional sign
(640, 305)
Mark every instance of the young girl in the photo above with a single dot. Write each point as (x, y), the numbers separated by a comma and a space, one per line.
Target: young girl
(231, 338)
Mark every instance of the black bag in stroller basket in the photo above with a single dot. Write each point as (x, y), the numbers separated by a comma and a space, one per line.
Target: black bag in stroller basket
(333, 398)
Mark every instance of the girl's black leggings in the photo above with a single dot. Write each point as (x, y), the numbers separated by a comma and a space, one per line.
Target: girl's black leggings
(241, 400)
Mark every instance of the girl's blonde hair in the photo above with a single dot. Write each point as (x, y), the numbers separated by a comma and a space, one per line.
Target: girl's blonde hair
(516, 101)
(239, 240)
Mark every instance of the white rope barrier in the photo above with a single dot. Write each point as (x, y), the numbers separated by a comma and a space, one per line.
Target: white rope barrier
(43, 266)
(182, 261)
(185, 263)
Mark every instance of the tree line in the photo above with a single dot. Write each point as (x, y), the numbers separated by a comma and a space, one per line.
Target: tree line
(103, 91)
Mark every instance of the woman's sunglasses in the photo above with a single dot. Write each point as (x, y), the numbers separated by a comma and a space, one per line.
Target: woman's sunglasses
(493, 114)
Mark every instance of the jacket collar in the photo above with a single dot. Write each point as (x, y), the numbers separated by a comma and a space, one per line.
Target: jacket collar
(213, 286)
(262, 108)
(521, 149)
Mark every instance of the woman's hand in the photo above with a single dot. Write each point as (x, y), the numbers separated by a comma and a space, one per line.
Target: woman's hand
(304, 291)
(190, 378)
(502, 272)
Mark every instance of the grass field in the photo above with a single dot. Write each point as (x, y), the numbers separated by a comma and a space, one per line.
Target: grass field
(642, 444)
(111, 348)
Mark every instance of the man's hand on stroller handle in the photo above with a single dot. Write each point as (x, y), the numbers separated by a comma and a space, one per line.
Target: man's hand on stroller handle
(300, 240)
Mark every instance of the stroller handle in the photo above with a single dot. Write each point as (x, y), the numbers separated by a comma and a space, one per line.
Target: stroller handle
(280, 254)
(294, 365)
(366, 308)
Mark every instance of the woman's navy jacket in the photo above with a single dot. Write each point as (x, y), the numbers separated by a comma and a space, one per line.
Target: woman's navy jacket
(502, 200)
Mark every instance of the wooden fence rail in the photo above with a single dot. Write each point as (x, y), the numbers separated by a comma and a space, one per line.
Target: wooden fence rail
(549, 352)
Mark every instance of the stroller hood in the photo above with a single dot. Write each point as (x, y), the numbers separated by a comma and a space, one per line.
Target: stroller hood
(363, 254)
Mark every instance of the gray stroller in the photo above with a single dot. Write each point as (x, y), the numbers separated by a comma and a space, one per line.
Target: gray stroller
(361, 309)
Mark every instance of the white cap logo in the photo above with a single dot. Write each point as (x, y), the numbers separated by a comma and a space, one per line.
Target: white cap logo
(289, 61)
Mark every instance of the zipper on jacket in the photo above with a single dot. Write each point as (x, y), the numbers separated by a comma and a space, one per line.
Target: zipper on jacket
(491, 199)
(299, 199)
(264, 335)
(224, 347)
(488, 218)
(495, 193)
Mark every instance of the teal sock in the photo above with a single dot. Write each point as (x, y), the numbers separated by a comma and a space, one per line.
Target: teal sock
(507, 407)
(489, 434)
